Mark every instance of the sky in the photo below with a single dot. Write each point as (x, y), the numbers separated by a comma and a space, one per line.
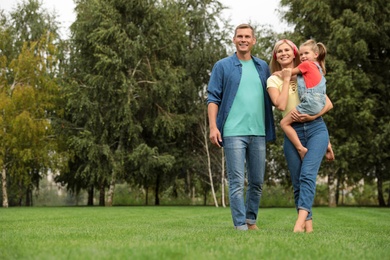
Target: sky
(240, 11)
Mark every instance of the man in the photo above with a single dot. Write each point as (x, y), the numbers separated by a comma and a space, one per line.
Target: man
(241, 120)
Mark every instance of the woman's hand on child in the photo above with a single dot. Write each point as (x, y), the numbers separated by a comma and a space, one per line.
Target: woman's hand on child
(298, 117)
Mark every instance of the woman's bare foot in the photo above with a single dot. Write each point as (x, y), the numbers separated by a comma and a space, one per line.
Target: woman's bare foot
(301, 221)
(302, 152)
(299, 227)
(309, 226)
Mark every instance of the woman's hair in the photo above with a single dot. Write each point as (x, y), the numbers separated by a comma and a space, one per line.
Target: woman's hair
(317, 47)
(274, 64)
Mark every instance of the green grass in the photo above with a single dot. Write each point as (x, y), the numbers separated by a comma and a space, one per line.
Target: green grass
(189, 233)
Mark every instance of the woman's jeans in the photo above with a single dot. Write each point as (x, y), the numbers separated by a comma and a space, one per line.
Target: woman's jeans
(314, 136)
(244, 153)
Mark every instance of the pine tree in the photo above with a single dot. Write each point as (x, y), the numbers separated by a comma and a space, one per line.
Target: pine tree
(356, 34)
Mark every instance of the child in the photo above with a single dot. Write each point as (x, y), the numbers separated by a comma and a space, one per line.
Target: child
(311, 88)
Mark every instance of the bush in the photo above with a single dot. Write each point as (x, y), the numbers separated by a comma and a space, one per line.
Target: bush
(277, 196)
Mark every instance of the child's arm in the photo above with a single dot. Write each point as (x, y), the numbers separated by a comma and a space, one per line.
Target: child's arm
(295, 71)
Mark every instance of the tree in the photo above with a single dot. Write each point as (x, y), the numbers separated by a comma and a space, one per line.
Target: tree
(206, 43)
(137, 70)
(357, 37)
(27, 143)
(29, 91)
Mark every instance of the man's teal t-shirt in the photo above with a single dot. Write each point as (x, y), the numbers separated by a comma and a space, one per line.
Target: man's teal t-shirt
(247, 115)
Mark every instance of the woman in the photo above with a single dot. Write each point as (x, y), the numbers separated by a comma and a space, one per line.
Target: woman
(311, 130)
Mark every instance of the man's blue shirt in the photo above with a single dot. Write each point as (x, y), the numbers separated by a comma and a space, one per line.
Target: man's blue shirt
(223, 85)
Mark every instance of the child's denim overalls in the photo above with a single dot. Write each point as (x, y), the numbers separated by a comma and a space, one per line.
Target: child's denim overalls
(312, 99)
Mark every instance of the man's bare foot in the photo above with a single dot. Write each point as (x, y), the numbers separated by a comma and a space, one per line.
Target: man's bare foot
(302, 152)
(309, 226)
(252, 227)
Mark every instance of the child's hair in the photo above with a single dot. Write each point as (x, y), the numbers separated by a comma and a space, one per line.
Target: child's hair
(317, 47)
(274, 65)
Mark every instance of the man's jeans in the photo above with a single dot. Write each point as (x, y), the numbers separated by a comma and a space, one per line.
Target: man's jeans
(314, 136)
(244, 153)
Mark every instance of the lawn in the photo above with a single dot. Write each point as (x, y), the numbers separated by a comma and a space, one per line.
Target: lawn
(189, 233)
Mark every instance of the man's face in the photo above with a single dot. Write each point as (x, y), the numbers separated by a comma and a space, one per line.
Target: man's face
(244, 40)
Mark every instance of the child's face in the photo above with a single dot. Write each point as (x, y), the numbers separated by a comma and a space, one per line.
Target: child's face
(306, 53)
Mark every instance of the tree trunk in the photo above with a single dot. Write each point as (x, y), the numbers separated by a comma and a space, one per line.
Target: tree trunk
(116, 168)
(4, 187)
(102, 195)
(223, 178)
(332, 190)
(28, 197)
(20, 195)
(146, 195)
(388, 197)
(156, 191)
(77, 198)
(110, 195)
(188, 185)
(191, 188)
(338, 191)
(193, 193)
(381, 199)
(90, 196)
(206, 146)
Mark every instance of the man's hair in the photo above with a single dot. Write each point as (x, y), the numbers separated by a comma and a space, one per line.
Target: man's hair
(244, 26)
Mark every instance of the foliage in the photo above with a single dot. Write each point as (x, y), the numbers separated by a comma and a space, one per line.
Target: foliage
(123, 100)
(133, 102)
(357, 38)
(29, 94)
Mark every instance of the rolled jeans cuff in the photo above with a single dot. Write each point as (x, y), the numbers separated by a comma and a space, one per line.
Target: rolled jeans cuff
(250, 221)
(243, 227)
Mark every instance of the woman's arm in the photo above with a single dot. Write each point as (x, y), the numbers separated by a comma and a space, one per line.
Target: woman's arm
(280, 98)
(329, 155)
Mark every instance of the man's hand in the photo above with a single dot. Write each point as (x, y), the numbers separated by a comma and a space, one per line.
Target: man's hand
(215, 136)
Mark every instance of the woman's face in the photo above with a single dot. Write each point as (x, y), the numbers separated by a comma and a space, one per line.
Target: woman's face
(285, 55)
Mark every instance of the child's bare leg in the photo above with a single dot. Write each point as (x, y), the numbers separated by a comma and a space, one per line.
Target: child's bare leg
(292, 135)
